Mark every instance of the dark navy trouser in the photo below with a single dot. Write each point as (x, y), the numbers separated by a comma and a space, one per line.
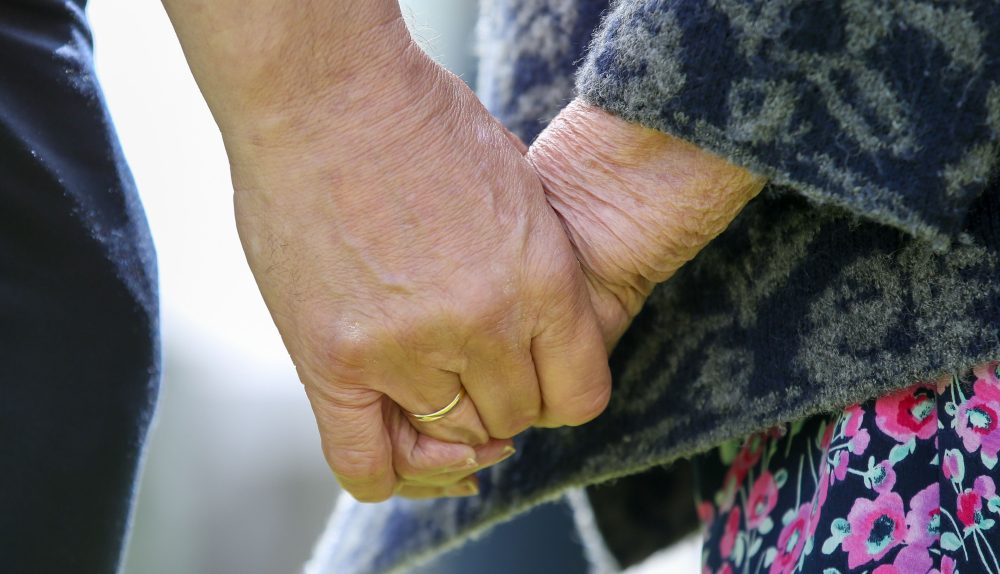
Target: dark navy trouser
(79, 347)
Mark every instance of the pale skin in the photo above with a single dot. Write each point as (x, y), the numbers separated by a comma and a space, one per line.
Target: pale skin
(408, 247)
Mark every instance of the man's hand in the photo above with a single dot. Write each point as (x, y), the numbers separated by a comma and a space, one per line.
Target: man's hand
(401, 241)
(636, 203)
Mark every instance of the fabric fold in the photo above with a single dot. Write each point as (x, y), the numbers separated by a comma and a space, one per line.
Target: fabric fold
(888, 109)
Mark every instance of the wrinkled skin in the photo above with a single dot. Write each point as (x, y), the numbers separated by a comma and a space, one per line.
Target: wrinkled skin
(636, 203)
(406, 246)
(404, 252)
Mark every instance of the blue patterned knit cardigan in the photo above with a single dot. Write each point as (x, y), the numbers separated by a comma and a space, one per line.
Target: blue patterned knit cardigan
(871, 261)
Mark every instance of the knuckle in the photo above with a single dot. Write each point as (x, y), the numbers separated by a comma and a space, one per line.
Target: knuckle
(586, 405)
(477, 436)
(422, 332)
(344, 344)
(416, 331)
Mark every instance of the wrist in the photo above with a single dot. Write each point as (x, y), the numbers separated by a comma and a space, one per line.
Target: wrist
(637, 203)
(346, 119)
(276, 70)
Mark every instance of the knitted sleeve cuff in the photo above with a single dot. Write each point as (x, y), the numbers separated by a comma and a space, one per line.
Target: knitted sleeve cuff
(889, 109)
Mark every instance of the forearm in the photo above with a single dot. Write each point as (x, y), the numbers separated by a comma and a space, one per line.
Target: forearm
(275, 61)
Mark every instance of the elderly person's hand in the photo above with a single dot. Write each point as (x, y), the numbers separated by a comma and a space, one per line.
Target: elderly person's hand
(636, 203)
(401, 241)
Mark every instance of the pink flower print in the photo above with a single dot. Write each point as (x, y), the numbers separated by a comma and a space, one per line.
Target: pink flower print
(791, 541)
(855, 416)
(947, 566)
(989, 373)
(839, 465)
(912, 560)
(706, 512)
(953, 465)
(748, 456)
(824, 483)
(824, 443)
(824, 475)
(859, 442)
(883, 477)
(730, 532)
(763, 497)
(970, 501)
(877, 526)
(985, 486)
(814, 513)
(923, 521)
(908, 413)
(977, 423)
(726, 569)
(986, 386)
(969, 504)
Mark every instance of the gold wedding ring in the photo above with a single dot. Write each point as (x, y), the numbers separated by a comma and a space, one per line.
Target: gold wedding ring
(441, 413)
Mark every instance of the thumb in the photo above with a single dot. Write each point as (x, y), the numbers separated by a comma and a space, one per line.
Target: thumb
(417, 455)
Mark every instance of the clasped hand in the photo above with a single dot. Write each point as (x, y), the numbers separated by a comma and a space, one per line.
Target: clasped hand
(407, 248)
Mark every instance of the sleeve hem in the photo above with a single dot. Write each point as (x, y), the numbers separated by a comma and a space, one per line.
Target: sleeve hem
(853, 124)
(714, 140)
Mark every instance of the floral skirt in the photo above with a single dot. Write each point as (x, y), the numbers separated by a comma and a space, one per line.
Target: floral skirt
(905, 484)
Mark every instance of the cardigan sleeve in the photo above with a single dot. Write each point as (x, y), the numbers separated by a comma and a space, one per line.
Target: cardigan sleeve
(890, 109)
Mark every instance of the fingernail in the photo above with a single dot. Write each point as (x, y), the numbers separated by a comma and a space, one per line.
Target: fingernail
(508, 451)
(467, 488)
(465, 464)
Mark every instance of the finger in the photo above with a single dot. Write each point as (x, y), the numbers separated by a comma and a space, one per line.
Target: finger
(468, 487)
(501, 381)
(355, 440)
(417, 455)
(571, 363)
(435, 389)
(421, 458)
(488, 455)
(500, 454)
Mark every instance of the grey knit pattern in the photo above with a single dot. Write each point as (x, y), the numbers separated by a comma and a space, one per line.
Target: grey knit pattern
(888, 108)
(835, 285)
